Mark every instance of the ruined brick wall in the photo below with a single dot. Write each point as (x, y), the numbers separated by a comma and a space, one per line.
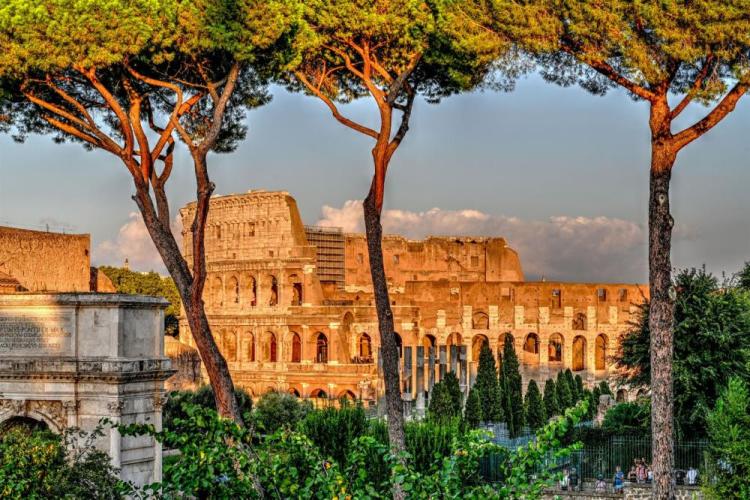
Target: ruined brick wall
(43, 261)
(433, 259)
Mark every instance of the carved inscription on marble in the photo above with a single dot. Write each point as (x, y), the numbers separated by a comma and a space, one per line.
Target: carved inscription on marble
(36, 332)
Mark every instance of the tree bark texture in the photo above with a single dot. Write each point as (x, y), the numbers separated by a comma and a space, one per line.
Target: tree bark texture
(661, 314)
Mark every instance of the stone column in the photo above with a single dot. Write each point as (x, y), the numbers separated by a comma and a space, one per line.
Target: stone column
(462, 362)
(71, 412)
(543, 356)
(307, 284)
(420, 377)
(443, 360)
(430, 368)
(334, 351)
(115, 440)
(407, 385)
(159, 402)
(304, 355)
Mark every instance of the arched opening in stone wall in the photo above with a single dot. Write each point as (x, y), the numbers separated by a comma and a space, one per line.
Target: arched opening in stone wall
(622, 396)
(365, 348)
(296, 284)
(321, 349)
(251, 291)
(531, 349)
(230, 346)
(476, 345)
(555, 350)
(24, 423)
(294, 392)
(579, 353)
(319, 394)
(249, 343)
(296, 348)
(217, 292)
(348, 395)
(579, 321)
(269, 347)
(428, 341)
(234, 290)
(600, 354)
(480, 321)
(274, 291)
(454, 339)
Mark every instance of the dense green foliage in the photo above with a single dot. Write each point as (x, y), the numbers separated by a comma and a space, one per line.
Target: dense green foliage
(551, 406)
(275, 410)
(510, 380)
(729, 432)
(37, 464)
(488, 387)
(743, 277)
(536, 413)
(712, 344)
(334, 430)
(625, 418)
(220, 460)
(445, 401)
(564, 394)
(177, 402)
(473, 409)
(151, 283)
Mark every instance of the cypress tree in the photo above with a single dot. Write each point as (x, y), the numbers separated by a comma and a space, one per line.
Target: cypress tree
(551, 406)
(487, 386)
(572, 385)
(454, 390)
(579, 388)
(604, 388)
(511, 388)
(441, 406)
(595, 401)
(535, 411)
(564, 395)
(473, 410)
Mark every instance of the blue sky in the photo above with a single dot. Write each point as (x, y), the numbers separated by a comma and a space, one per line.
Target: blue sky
(562, 174)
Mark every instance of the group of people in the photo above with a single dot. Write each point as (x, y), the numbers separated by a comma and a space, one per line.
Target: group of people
(640, 473)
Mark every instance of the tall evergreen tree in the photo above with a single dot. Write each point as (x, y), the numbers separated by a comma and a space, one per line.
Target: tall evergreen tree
(572, 385)
(454, 390)
(534, 406)
(487, 386)
(580, 391)
(564, 395)
(473, 410)
(551, 405)
(743, 277)
(511, 388)
(604, 388)
(595, 393)
(442, 407)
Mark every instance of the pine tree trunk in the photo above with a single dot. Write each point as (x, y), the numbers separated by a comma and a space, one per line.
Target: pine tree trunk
(661, 313)
(192, 302)
(389, 349)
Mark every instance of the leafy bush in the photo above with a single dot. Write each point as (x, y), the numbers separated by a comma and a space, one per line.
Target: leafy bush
(39, 464)
(204, 397)
(218, 461)
(624, 418)
(333, 430)
(275, 410)
(442, 405)
(729, 432)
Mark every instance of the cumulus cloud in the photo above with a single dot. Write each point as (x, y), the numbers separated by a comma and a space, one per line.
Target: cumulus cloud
(596, 249)
(133, 243)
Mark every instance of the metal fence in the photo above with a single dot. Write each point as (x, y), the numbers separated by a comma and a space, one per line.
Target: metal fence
(604, 457)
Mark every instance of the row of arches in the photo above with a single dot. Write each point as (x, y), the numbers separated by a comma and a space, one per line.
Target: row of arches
(268, 347)
(481, 321)
(244, 293)
(531, 351)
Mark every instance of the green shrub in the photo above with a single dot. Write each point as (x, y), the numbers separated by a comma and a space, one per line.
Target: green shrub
(442, 405)
(204, 397)
(624, 418)
(36, 464)
(473, 410)
(275, 410)
(333, 430)
(729, 450)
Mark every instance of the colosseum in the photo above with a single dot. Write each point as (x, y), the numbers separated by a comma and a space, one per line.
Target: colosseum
(292, 306)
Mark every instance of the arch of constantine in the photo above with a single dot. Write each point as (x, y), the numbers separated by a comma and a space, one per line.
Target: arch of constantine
(292, 306)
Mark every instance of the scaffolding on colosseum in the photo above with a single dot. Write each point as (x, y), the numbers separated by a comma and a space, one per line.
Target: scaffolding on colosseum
(330, 243)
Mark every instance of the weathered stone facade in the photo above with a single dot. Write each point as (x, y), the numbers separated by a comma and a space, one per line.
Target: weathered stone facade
(70, 360)
(42, 261)
(286, 321)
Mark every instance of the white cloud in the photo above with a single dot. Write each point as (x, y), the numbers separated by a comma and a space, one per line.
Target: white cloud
(133, 242)
(562, 247)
